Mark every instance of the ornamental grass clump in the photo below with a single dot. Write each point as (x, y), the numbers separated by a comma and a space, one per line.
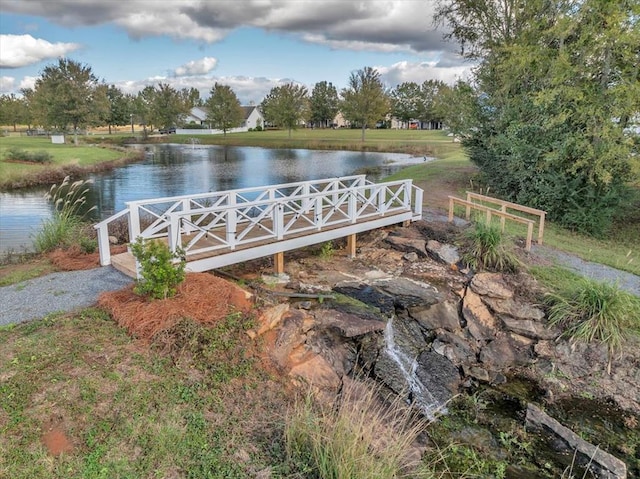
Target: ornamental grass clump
(362, 437)
(67, 223)
(489, 250)
(595, 311)
(161, 270)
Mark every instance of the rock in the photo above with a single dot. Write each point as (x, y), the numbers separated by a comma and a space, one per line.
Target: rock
(306, 305)
(349, 325)
(271, 317)
(529, 328)
(492, 285)
(440, 315)
(545, 349)
(290, 335)
(442, 252)
(369, 295)
(481, 323)
(454, 348)
(313, 288)
(272, 279)
(439, 375)
(407, 245)
(314, 370)
(407, 292)
(514, 308)
(410, 257)
(477, 372)
(504, 352)
(601, 463)
(113, 240)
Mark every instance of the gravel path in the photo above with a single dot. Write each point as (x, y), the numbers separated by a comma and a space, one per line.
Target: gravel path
(627, 281)
(57, 292)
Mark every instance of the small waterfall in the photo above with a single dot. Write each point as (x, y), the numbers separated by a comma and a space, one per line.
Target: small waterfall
(420, 395)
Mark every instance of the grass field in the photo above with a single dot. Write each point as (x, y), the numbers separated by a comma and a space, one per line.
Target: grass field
(66, 158)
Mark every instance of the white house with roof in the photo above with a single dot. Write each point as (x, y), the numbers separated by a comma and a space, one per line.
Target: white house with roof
(198, 116)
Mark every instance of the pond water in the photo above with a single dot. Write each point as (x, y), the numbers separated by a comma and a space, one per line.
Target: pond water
(172, 170)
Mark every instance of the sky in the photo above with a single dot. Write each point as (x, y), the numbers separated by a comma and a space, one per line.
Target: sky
(250, 45)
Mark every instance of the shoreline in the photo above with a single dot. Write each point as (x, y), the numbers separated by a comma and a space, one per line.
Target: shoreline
(58, 173)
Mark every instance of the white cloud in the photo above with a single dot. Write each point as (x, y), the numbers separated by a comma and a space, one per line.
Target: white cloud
(419, 72)
(21, 50)
(196, 67)
(6, 84)
(377, 25)
(27, 82)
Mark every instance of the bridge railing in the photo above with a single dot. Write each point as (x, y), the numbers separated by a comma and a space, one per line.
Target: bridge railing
(247, 208)
(235, 225)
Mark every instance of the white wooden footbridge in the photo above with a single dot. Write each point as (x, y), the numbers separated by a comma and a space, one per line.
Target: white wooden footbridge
(227, 227)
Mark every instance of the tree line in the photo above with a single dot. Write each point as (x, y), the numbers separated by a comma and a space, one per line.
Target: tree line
(67, 96)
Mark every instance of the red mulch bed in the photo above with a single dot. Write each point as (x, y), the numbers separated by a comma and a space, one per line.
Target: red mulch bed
(201, 297)
(73, 259)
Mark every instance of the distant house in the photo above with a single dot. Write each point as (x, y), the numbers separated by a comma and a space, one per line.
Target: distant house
(252, 117)
(196, 116)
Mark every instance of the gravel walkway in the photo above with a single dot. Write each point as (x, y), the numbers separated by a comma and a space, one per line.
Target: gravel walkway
(627, 281)
(57, 292)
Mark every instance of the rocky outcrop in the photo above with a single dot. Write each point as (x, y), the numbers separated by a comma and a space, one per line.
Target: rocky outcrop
(443, 252)
(600, 463)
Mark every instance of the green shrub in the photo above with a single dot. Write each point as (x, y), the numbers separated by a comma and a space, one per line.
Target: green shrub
(160, 269)
(361, 438)
(65, 226)
(17, 154)
(488, 249)
(594, 311)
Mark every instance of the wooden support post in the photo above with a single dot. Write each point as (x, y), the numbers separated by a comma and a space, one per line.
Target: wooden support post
(541, 227)
(351, 245)
(278, 262)
(502, 218)
(450, 209)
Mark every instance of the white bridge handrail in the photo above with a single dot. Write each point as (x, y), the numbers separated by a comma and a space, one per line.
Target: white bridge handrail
(273, 212)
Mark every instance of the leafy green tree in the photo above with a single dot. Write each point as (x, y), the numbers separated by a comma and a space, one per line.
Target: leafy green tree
(429, 91)
(457, 108)
(65, 95)
(191, 97)
(142, 105)
(223, 108)
(12, 110)
(365, 101)
(167, 107)
(557, 85)
(119, 110)
(324, 103)
(286, 106)
(406, 102)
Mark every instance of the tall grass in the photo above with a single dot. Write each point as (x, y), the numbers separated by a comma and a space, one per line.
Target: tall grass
(363, 437)
(488, 249)
(595, 311)
(66, 225)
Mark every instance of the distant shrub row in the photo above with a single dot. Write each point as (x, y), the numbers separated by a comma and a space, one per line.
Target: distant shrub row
(16, 154)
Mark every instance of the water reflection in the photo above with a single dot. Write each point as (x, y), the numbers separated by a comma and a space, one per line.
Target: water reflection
(174, 170)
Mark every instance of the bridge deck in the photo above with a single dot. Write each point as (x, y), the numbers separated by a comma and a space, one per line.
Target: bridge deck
(229, 233)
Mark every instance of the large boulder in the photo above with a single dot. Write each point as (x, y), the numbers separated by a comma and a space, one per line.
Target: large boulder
(408, 293)
(505, 352)
(515, 309)
(440, 315)
(480, 322)
(445, 253)
(407, 245)
(492, 285)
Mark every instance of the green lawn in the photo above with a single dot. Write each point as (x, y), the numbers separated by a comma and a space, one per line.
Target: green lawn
(65, 157)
